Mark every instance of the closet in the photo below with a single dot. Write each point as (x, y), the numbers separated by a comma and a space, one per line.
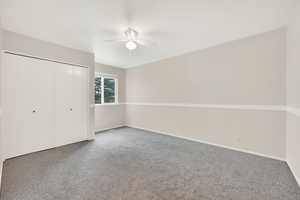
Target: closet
(45, 104)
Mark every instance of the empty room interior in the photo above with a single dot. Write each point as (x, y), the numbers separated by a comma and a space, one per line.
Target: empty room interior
(149, 100)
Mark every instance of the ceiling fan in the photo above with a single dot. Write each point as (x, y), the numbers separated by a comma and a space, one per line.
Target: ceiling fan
(131, 39)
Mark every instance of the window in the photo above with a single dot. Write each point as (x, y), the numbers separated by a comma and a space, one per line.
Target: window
(106, 89)
(98, 92)
(109, 90)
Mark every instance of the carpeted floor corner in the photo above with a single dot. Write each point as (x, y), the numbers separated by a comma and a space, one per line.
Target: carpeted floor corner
(131, 164)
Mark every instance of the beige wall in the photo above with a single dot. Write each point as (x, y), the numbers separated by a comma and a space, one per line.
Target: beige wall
(29, 46)
(254, 131)
(1, 146)
(110, 116)
(248, 71)
(293, 93)
(293, 140)
(244, 72)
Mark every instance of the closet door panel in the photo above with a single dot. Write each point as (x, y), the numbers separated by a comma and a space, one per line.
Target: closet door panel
(80, 103)
(43, 111)
(63, 102)
(28, 105)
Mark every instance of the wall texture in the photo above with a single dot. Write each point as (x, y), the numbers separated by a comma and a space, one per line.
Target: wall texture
(29, 46)
(110, 116)
(293, 94)
(1, 146)
(171, 95)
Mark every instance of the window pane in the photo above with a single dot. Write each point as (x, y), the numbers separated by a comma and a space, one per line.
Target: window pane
(109, 90)
(98, 90)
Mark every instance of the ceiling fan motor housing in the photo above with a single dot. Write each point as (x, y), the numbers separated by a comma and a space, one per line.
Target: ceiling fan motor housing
(131, 34)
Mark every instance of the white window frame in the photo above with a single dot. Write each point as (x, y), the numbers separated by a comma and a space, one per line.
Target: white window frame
(110, 76)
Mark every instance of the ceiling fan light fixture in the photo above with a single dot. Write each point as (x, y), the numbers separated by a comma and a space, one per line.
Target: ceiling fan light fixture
(131, 45)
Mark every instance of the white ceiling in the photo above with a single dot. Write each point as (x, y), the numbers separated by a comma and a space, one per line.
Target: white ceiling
(176, 26)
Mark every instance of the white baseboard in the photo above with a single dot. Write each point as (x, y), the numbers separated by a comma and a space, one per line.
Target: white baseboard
(293, 172)
(293, 110)
(109, 128)
(1, 167)
(209, 143)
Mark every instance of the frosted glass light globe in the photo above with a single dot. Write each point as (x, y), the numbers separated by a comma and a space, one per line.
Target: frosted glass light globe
(131, 45)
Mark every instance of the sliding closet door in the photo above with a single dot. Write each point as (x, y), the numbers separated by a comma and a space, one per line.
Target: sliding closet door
(45, 104)
(28, 105)
(71, 104)
(63, 104)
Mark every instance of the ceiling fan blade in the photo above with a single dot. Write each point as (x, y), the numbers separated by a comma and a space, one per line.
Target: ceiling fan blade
(146, 42)
(141, 42)
(116, 40)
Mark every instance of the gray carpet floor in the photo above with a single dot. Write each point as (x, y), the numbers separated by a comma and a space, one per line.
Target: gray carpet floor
(131, 164)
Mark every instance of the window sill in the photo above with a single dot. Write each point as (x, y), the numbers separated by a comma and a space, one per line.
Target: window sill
(108, 104)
